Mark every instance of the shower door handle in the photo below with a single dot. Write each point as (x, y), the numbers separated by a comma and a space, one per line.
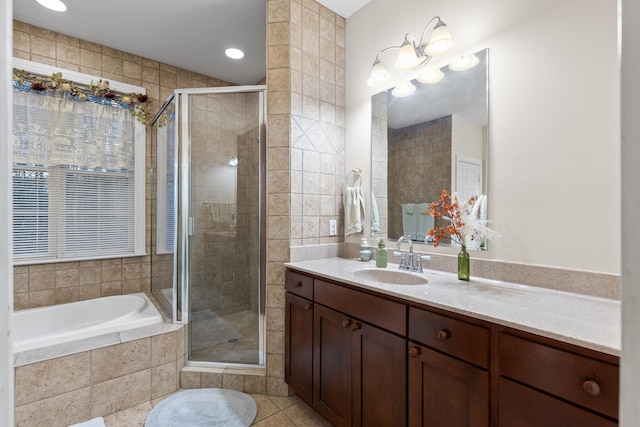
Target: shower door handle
(191, 226)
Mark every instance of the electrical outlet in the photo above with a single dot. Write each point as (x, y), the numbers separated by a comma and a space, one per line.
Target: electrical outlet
(333, 227)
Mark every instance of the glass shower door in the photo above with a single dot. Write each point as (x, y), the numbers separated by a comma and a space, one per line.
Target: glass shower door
(223, 226)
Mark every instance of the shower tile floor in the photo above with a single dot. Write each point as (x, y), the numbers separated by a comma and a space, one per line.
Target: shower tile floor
(229, 338)
(273, 411)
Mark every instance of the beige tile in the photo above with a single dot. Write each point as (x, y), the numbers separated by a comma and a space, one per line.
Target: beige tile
(44, 47)
(58, 411)
(120, 393)
(132, 417)
(66, 295)
(303, 416)
(277, 420)
(265, 406)
(211, 380)
(65, 278)
(68, 53)
(277, 387)
(163, 380)
(41, 280)
(45, 379)
(41, 298)
(233, 382)
(118, 360)
(163, 348)
(255, 384)
(189, 379)
(110, 273)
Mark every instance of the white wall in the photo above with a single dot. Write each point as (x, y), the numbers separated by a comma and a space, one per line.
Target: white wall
(554, 153)
(6, 270)
(630, 371)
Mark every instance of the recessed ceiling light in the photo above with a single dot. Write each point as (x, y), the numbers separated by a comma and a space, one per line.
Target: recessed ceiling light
(232, 53)
(55, 5)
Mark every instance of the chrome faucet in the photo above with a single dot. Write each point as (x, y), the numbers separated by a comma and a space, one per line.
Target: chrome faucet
(407, 264)
(404, 263)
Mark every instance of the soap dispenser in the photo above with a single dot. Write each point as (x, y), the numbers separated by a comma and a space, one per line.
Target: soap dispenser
(365, 251)
(381, 255)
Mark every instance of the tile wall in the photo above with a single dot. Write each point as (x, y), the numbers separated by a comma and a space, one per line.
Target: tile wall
(305, 80)
(419, 166)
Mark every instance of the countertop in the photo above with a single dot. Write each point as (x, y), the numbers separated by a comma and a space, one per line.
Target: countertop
(582, 320)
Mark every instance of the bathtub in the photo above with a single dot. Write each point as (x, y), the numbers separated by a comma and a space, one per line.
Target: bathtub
(55, 324)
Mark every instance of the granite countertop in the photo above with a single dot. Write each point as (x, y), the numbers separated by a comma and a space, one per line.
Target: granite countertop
(582, 320)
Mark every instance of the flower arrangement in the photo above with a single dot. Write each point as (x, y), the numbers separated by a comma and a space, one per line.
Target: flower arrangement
(465, 220)
(139, 101)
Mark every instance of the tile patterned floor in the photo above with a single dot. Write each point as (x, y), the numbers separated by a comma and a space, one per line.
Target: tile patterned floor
(273, 411)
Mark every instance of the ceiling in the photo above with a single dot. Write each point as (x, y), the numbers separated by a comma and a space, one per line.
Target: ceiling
(191, 34)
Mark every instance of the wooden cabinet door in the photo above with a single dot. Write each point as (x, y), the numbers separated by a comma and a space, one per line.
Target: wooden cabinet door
(524, 407)
(332, 365)
(379, 377)
(299, 345)
(446, 392)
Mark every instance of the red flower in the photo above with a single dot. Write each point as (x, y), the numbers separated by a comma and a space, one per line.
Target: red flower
(142, 98)
(39, 86)
(110, 95)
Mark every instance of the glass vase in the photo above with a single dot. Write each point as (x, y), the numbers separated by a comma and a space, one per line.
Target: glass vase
(463, 264)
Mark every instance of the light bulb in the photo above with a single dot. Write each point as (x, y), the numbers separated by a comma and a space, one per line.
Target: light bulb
(403, 89)
(464, 63)
(379, 74)
(430, 76)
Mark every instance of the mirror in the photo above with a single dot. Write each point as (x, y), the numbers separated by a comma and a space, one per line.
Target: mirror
(435, 139)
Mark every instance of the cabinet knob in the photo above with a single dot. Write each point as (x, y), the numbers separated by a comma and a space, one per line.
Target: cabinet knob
(299, 284)
(307, 307)
(442, 334)
(355, 326)
(414, 352)
(591, 387)
(345, 323)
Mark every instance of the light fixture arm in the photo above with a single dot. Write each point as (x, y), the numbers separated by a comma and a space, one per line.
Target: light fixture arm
(420, 48)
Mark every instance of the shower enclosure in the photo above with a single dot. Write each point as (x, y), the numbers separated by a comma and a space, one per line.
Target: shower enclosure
(208, 220)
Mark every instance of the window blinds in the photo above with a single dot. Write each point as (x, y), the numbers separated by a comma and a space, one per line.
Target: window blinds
(73, 179)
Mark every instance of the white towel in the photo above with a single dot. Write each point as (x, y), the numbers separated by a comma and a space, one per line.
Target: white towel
(408, 220)
(353, 210)
(424, 221)
(96, 422)
(375, 214)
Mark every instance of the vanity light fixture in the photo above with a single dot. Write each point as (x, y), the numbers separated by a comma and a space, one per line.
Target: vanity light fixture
(464, 63)
(403, 89)
(234, 53)
(412, 55)
(55, 5)
(428, 76)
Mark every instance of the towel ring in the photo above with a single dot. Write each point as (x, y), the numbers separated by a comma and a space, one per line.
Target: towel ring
(356, 175)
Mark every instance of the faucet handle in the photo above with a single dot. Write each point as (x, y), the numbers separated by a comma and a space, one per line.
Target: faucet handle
(419, 261)
(403, 258)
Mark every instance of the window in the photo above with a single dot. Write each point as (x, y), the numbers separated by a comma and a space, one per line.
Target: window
(78, 176)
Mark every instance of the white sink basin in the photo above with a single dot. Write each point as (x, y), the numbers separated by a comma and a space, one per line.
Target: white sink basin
(390, 277)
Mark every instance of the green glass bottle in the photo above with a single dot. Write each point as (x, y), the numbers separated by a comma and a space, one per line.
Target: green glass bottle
(463, 264)
(381, 255)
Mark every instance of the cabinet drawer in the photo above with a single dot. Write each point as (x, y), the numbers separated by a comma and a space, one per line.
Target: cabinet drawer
(388, 315)
(455, 337)
(524, 407)
(299, 284)
(585, 381)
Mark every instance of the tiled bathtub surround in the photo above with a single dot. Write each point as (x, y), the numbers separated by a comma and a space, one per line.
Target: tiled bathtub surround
(66, 384)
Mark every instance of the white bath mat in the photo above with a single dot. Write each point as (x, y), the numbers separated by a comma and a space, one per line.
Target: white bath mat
(204, 407)
(96, 422)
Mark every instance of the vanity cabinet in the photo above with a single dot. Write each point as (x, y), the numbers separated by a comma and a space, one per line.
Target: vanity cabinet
(358, 347)
(299, 334)
(448, 371)
(362, 358)
(543, 384)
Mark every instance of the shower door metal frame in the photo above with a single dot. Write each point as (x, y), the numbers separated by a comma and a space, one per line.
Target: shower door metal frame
(186, 224)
